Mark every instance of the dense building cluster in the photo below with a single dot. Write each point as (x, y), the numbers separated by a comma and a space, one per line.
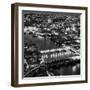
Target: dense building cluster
(44, 31)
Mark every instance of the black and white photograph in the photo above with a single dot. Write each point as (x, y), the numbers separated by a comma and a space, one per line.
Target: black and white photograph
(51, 43)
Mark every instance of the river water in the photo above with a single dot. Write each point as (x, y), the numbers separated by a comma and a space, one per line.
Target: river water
(65, 70)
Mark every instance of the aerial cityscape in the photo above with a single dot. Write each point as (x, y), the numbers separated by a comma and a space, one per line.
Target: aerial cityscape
(51, 44)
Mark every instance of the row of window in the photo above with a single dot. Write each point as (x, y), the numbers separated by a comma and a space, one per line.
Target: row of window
(55, 55)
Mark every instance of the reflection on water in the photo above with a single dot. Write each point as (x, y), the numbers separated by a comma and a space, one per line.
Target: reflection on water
(66, 70)
(56, 70)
